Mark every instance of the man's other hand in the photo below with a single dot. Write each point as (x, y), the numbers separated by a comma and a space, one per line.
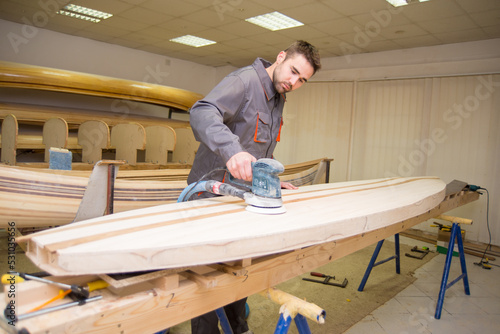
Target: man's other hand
(240, 165)
(288, 185)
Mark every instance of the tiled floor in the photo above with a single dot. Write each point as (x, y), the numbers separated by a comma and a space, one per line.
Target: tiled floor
(413, 309)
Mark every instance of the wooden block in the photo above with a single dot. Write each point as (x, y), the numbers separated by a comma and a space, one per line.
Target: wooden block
(55, 134)
(167, 283)
(186, 146)
(457, 220)
(159, 140)
(233, 270)
(93, 137)
(9, 140)
(127, 139)
(204, 281)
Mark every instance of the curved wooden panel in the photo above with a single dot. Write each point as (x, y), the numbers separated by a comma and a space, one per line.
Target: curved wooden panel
(220, 229)
(44, 78)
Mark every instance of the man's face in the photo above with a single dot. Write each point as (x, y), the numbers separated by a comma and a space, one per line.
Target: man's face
(291, 73)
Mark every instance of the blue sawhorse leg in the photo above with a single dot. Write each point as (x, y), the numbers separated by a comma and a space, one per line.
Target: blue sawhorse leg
(224, 322)
(374, 258)
(455, 233)
(284, 324)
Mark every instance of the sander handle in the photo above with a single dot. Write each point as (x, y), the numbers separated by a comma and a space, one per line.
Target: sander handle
(219, 188)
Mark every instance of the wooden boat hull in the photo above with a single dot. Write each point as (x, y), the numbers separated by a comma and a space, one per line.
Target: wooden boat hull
(220, 229)
(36, 199)
(33, 197)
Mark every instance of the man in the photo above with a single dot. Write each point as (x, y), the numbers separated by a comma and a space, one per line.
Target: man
(240, 121)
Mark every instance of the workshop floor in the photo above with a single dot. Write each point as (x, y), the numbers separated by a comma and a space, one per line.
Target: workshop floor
(413, 309)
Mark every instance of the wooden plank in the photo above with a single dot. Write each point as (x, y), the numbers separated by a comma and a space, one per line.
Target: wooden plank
(51, 79)
(469, 247)
(155, 309)
(220, 229)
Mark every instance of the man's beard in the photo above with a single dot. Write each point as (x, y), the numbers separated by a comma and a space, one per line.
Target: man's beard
(280, 86)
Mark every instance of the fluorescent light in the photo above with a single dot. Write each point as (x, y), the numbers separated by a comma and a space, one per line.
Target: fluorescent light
(192, 41)
(78, 16)
(274, 21)
(397, 3)
(84, 13)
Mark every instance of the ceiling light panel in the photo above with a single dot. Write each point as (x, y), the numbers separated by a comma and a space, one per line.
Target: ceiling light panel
(397, 3)
(274, 21)
(84, 13)
(192, 41)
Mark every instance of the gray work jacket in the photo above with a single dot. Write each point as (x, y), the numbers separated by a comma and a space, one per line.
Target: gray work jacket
(243, 112)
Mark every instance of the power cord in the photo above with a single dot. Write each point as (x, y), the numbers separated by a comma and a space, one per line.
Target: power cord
(484, 260)
(204, 177)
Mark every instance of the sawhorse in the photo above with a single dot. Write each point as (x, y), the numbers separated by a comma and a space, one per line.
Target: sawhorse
(290, 308)
(374, 258)
(456, 233)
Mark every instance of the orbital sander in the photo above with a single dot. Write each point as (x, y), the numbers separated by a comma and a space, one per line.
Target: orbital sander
(262, 196)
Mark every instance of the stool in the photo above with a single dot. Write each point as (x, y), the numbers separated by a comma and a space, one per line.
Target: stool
(374, 258)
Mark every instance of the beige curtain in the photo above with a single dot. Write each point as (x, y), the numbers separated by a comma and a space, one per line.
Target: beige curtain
(447, 127)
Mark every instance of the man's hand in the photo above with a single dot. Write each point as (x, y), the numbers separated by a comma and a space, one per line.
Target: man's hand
(240, 165)
(288, 185)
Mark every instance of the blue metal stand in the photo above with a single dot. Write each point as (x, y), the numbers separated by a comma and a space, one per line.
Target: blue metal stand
(374, 258)
(284, 324)
(455, 233)
(224, 322)
(281, 328)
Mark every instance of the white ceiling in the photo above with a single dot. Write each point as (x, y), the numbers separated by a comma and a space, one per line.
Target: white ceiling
(336, 27)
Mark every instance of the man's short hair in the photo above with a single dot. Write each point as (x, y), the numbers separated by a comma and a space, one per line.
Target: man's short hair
(307, 50)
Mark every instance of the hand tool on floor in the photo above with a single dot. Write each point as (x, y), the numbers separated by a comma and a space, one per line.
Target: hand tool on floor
(326, 280)
(263, 196)
(485, 263)
(442, 227)
(422, 251)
